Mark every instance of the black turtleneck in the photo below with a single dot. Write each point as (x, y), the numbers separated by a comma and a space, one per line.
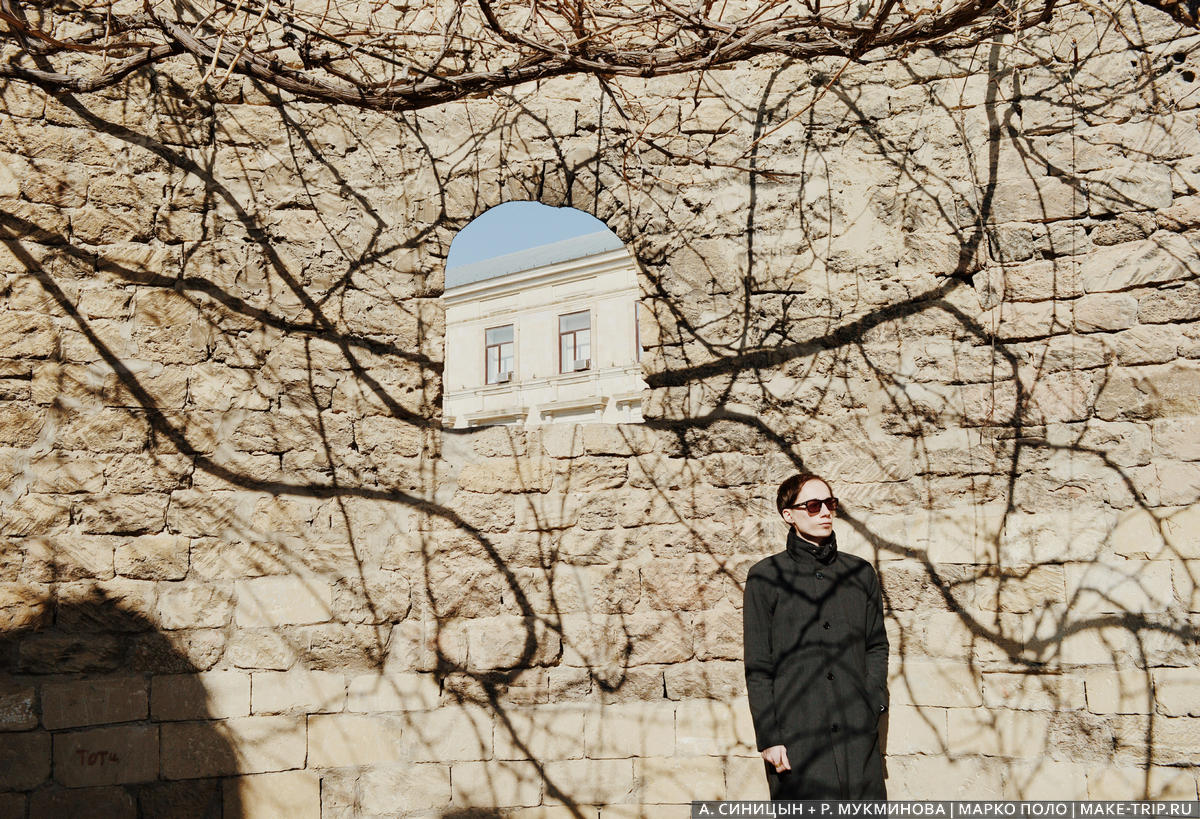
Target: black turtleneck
(824, 552)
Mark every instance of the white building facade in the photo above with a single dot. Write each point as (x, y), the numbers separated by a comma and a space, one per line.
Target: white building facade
(546, 335)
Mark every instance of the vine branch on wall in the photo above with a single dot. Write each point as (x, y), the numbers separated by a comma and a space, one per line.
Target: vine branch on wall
(402, 55)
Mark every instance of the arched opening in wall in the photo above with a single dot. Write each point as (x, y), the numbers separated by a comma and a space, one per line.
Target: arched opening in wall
(541, 321)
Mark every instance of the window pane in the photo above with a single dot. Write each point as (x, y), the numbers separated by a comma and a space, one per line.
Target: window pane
(574, 321)
(583, 345)
(567, 349)
(493, 364)
(506, 358)
(499, 335)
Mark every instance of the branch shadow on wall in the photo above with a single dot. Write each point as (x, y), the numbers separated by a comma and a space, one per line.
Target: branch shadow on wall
(289, 434)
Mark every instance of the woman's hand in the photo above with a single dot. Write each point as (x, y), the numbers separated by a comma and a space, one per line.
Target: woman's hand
(777, 756)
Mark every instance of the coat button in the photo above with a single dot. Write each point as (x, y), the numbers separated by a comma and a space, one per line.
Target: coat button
(826, 624)
(829, 676)
(820, 576)
(836, 728)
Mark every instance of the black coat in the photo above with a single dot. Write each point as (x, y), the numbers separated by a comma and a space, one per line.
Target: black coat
(816, 671)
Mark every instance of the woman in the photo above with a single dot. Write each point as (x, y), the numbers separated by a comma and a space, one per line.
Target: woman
(816, 656)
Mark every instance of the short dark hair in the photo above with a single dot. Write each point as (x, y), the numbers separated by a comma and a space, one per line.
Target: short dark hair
(790, 489)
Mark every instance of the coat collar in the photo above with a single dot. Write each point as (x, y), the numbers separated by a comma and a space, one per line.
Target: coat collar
(805, 551)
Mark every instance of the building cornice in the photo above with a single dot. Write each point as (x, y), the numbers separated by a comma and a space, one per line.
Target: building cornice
(558, 273)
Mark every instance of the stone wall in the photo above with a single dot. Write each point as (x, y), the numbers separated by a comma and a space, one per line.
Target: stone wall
(245, 572)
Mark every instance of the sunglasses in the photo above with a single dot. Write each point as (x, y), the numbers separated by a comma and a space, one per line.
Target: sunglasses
(814, 506)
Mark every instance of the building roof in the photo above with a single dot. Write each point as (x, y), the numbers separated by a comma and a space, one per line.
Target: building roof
(589, 244)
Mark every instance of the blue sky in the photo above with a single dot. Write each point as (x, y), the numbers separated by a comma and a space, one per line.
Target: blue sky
(517, 226)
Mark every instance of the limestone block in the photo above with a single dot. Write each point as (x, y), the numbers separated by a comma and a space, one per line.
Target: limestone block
(511, 642)
(623, 440)
(1150, 391)
(66, 472)
(487, 784)
(372, 597)
(421, 646)
(650, 637)
(745, 778)
(565, 683)
(93, 702)
(338, 647)
(1021, 589)
(1129, 186)
(677, 780)
(337, 740)
(1180, 303)
(711, 679)
(106, 756)
(1163, 257)
(379, 433)
(69, 557)
(1177, 691)
(912, 730)
(589, 474)
(1021, 320)
(305, 691)
(17, 707)
(589, 781)
(1141, 782)
(1157, 534)
(507, 475)
(1046, 779)
(373, 693)
(109, 802)
(714, 728)
(407, 788)
(1186, 576)
(35, 515)
(242, 745)
(1174, 741)
(1036, 199)
(212, 694)
(291, 793)
(953, 536)
(25, 759)
(631, 729)
(1178, 438)
(193, 605)
(213, 386)
(1129, 587)
(687, 583)
(542, 733)
(945, 777)
(449, 734)
(21, 426)
(124, 513)
(1009, 734)
(262, 648)
(1105, 311)
(1033, 692)
(1124, 444)
(1180, 482)
(152, 557)
(1143, 345)
(275, 601)
(938, 685)
(1100, 644)
(28, 335)
(103, 430)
